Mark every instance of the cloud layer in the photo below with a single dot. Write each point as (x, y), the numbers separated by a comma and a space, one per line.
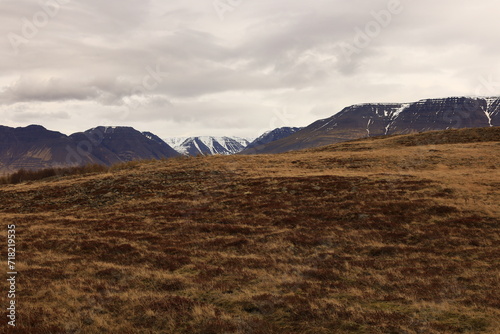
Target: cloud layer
(224, 67)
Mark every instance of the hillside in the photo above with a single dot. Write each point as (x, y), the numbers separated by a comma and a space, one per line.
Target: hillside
(397, 234)
(378, 119)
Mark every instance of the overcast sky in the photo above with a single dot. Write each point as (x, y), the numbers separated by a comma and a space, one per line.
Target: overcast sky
(235, 67)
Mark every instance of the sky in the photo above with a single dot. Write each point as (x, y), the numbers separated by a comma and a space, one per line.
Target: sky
(235, 67)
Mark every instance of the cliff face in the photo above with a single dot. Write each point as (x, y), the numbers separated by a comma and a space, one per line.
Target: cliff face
(439, 114)
(367, 120)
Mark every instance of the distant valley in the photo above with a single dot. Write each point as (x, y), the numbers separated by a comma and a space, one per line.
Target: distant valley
(209, 145)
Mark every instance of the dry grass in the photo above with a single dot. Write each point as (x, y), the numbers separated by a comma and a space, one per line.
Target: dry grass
(373, 236)
(24, 175)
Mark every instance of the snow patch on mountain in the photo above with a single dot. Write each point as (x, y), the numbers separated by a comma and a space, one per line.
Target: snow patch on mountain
(490, 101)
(175, 141)
(393, 114)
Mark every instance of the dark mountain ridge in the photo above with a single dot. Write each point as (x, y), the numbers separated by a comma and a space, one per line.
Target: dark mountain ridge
(377, 119)
(34, 147)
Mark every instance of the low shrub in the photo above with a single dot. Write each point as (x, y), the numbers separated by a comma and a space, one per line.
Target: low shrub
(24, 175)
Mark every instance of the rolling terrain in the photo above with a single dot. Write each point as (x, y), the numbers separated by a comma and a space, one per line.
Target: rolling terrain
(397, 234)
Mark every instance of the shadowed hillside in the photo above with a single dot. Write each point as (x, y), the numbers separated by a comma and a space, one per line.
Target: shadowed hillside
(33, 148)
(390, 235)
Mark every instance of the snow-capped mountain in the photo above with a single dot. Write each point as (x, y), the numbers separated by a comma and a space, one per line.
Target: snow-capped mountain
(377, 119)
(208, 145)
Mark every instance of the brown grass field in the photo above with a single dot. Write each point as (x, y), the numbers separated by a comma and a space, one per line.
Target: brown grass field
(387, 235)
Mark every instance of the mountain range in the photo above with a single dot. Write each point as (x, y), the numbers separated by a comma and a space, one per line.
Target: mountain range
(35, 147)
(209, 145)
(377, 119)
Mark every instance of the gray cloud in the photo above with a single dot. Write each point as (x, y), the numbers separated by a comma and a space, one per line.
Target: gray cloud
(175, 67)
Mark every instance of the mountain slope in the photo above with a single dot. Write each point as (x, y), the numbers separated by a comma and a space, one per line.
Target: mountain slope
(208, 145)
(271, 136)
(368, 120)
(35, 147)
(118, 144)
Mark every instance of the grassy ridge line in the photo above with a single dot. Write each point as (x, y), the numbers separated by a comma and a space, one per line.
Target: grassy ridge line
(451, 136)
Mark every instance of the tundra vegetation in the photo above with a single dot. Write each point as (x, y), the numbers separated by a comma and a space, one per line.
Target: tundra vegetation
(395, 234)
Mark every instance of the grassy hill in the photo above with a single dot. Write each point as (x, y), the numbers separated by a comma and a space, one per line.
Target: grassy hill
(390, 235)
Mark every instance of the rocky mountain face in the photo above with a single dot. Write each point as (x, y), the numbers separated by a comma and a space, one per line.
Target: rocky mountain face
(35, 147)
(208, 145)
(269, 137)
(367, 120)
